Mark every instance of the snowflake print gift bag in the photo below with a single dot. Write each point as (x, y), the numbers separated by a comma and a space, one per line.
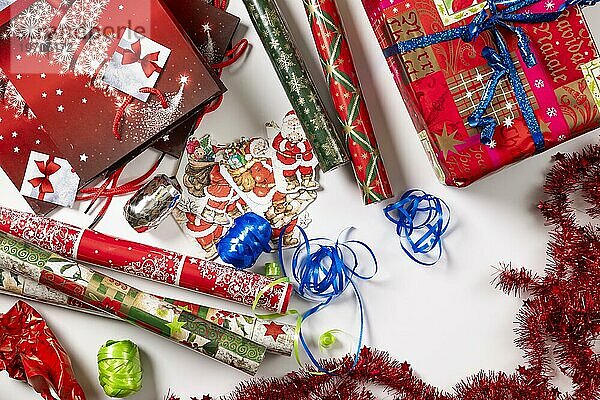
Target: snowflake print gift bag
(488, 83)
(105, 78)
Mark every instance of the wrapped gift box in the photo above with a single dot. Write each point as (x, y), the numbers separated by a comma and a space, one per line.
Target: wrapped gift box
(443, 84)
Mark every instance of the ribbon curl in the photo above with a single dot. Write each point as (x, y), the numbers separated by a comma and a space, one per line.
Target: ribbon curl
(322, 275)
(498, 14)
(421, 221)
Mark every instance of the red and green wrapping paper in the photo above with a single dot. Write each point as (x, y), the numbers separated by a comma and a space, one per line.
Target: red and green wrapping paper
(145, 261)
(142, 309)
(276, 337)
(442, 84)
(344, 88)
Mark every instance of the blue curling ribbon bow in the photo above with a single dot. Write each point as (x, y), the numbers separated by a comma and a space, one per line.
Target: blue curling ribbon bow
(497, 14)
(320, 267)
(245, 241)
(421, 221)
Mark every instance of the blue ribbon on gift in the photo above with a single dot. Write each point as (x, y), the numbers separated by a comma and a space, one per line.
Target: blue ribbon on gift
(498, 14)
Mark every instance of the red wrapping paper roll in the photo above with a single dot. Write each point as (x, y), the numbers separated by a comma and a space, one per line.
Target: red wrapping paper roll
(145, 261)
(344, 88)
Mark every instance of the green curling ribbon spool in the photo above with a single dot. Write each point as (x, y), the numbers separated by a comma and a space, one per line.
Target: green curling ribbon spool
(273, 270)
(120, 368)
(328, 339)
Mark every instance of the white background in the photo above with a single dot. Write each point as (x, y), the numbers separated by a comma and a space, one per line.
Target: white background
(448, 321)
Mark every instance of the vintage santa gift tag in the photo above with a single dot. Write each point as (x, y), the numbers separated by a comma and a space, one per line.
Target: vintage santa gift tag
(222, 181)
(50, 179)
(294, 163)
(136, 63)
(248, 167)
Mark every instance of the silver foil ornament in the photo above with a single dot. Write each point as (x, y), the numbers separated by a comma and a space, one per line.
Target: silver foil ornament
(150, 205)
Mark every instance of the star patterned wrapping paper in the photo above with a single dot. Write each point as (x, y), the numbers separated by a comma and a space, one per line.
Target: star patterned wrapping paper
(278, 338)
(60, 58)
(145, 310)
(443, 84)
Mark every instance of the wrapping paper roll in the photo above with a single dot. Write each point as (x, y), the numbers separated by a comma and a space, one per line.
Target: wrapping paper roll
(297, 83)
(145, 310)
(346, 94)
(145, 261)
(277, 338)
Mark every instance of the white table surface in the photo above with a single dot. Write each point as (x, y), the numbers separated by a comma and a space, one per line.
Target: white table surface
(448, 321)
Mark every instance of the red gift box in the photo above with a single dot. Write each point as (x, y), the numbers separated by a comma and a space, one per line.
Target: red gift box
(104, 81)
(443, 84)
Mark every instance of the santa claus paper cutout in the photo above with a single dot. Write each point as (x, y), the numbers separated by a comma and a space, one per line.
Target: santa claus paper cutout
(274, 177)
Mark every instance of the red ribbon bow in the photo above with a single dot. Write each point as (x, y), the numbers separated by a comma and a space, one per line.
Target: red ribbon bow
(148, 62)
(43, 182)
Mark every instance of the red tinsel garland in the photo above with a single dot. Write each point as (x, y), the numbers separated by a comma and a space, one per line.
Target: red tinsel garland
(560, 319)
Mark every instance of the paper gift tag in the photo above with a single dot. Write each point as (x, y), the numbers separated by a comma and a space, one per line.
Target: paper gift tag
(50, 179)
(294, 163)
(136, 63)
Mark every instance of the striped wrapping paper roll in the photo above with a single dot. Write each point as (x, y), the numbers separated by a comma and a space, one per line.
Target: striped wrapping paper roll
(346, 94)
(297, 83)
(145, 261)
(276, 337)
(142, 309)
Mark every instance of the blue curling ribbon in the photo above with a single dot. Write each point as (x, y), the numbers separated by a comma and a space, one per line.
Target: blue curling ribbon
(421, 220)
(245, 241)
(323, 270)
(497, 14)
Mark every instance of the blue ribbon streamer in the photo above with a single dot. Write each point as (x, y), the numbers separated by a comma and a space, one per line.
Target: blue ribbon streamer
(323, 274)
(245, 241)
(497, 14)
(421, 221)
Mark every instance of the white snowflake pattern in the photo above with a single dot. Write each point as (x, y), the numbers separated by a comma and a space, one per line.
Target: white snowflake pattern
(40, 231)
(156, 266)
(297, 83)
(551, 112)
(492, 144)
(33, 23)
(93, 54)
(285, 61)
(14, 101)
(539, 83)
(549, 5)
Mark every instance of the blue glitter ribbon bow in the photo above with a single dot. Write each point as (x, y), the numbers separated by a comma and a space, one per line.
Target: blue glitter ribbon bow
(498, 14)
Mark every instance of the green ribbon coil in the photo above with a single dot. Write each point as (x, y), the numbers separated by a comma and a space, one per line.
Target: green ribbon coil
(273, 270)
(120, 368)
